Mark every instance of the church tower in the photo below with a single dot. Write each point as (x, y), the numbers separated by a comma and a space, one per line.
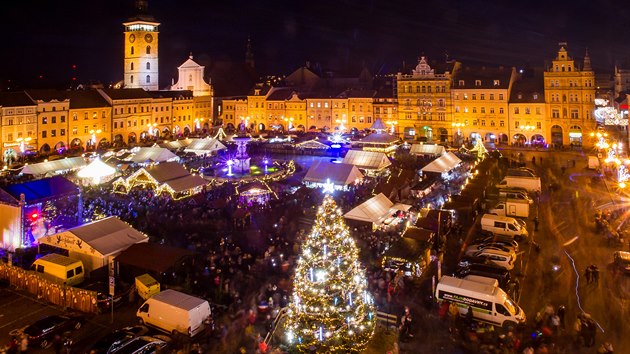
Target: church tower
(141, 49)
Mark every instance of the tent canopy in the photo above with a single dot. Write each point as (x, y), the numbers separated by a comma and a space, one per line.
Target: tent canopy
(154, 154)
(419, 234)
(176, 144)
(312, 144)
(340, 174)
(379, 138)
(427, 149)
(367, 160)
(175, 176)
(372, 210)
(96, 169)
(41, 190)
(443, 163)
(204, 146)
(152, 256)
(106, 236)
(55, 166)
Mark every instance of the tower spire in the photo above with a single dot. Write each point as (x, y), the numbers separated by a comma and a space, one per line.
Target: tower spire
(587, 62)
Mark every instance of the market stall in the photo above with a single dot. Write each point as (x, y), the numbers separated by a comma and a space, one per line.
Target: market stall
(340, 175)
(55, 167)
(427, 150)
(96, 243)
(207, 146)
(380, 212)
(96, 172)
(373, 163)
(410, 255)
(168, 177)
(254, 193)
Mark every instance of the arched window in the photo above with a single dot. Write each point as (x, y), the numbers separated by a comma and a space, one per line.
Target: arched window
(148, 66)
(148, 49)
(131, 79)
(131, 66)
(131, 50)
(148, 79)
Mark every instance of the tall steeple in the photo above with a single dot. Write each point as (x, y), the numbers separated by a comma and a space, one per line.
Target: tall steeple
(587, 62)
(141, 49)
(249, 55)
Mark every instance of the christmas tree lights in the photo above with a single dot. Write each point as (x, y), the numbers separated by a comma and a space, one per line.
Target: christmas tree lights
(331, 309)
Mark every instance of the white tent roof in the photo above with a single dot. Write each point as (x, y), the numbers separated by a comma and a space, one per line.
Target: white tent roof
(96, 169)
(106, 236)
(60, 165)
(367, 160)
(340, 174)
(372, 210)
(443, 163)
(427, 149)
(204, 146)
(154, 154)
(176, 144)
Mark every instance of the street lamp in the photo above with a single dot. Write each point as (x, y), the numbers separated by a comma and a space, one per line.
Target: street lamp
(152, 128)
(342, 128)
(392, 123)
(459, 131)
(23, 142)
(290, 123)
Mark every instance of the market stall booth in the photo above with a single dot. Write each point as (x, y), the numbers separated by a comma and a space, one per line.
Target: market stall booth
(411, 254)
(372, 163)
(340, 175)
(145, 155)
(37, 208)
(427, 150)
(206, 146)
(168, 177)
(96, 172)
(443, 164)
(380, 212)
(254, 193)
(55, 167)
(379, 142)
(96, 243)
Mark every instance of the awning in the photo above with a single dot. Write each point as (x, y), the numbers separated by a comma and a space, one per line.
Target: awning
(204, 146)
(152, 256)
(372, 210)
(106, 236)
(427, 149)
(367, 160)
(339, 174)
(153, 154)
(96, 169)
(443, 163)
(56, 166)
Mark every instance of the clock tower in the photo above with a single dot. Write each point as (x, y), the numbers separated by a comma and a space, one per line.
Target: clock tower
(141, 49)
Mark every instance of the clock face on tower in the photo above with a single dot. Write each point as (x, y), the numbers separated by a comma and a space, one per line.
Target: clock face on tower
(148, 38)
(132, 38)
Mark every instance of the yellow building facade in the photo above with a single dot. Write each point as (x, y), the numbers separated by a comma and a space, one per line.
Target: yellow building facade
(52, 119)
(19, 135)
(480, 104)
(90, 120)
(424, 103)
(569, 97)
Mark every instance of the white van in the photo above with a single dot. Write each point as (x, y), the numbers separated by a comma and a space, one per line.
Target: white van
(503, 225)
(60, 268)
(175, 312)
(489, 303)
(531, 184)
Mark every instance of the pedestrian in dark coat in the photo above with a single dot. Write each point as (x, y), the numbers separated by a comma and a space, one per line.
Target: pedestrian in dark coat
(588, 273)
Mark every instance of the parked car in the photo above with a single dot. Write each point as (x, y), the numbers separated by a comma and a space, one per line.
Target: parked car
(117, 339)
(498, 257)
(472, 249)
(498, 240)
(42, 332)
(145, 345)
(621, 260)
(485, 270)
(465, 261)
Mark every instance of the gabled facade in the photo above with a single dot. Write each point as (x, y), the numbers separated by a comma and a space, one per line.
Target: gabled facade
(52, 116)
(18, 135)
(570, 95)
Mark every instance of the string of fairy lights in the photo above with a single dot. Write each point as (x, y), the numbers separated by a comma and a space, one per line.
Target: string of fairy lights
(331, 308)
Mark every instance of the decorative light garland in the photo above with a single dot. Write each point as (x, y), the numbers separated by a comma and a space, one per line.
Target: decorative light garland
(332, 310)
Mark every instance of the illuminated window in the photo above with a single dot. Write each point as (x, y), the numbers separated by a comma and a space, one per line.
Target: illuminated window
(538, 125)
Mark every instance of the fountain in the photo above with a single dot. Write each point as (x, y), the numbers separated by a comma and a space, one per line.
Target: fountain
(242, 159)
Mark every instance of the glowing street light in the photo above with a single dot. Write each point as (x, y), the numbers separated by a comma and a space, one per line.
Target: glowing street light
(229, 164)
(342, 128)
(152, 128)
(289, 123)
(392, 123)
(93, 136)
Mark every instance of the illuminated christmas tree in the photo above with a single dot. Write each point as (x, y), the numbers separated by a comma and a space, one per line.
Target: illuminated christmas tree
(331, 309)
(480, 149)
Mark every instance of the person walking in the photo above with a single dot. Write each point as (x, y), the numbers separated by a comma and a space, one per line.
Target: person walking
(588, 274)
(595, 274)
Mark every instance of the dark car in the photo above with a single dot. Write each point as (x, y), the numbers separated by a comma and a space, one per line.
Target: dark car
(42, 332)
(145, 345)
(622, 261)
(117, 339)
(485, 270)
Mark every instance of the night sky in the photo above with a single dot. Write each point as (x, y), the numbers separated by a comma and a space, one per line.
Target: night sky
(48, 37)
